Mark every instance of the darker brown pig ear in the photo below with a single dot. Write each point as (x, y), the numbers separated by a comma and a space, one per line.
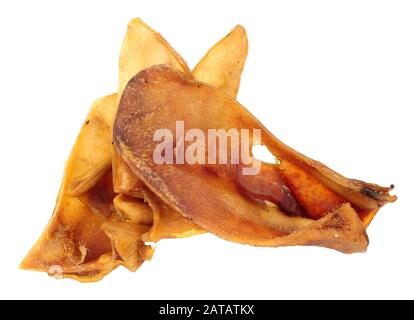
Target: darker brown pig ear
(296, 201)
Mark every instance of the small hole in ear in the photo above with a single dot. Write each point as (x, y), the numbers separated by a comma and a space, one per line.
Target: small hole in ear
(263, 154)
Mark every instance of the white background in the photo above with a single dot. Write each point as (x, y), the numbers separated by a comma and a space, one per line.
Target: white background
(333, 79)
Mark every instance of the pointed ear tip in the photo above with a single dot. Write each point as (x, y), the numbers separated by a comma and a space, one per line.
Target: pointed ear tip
(241, 32)
(239, 28)
(135, 21)
(24, 265)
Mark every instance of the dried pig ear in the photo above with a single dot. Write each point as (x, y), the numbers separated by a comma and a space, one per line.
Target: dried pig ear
(223, 64)
(221, 67)
(74, 240)
(143, 48)
(210, 195)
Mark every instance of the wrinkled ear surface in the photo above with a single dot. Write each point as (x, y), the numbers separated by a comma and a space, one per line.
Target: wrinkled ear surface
(73, 236)
(221, 67)
(211, 195)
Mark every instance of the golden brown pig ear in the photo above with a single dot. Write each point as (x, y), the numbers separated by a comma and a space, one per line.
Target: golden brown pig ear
(73, 239)
(142, 48)
(211, 195)
(223, 64)
(127, 249)
(221, 67)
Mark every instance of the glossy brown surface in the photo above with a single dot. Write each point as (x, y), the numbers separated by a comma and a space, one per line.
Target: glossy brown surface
(160, 96)
(104, 212)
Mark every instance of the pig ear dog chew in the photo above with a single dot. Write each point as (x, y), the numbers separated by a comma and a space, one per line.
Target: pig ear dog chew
(335, 208)
(114, 198)
(79, 241)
